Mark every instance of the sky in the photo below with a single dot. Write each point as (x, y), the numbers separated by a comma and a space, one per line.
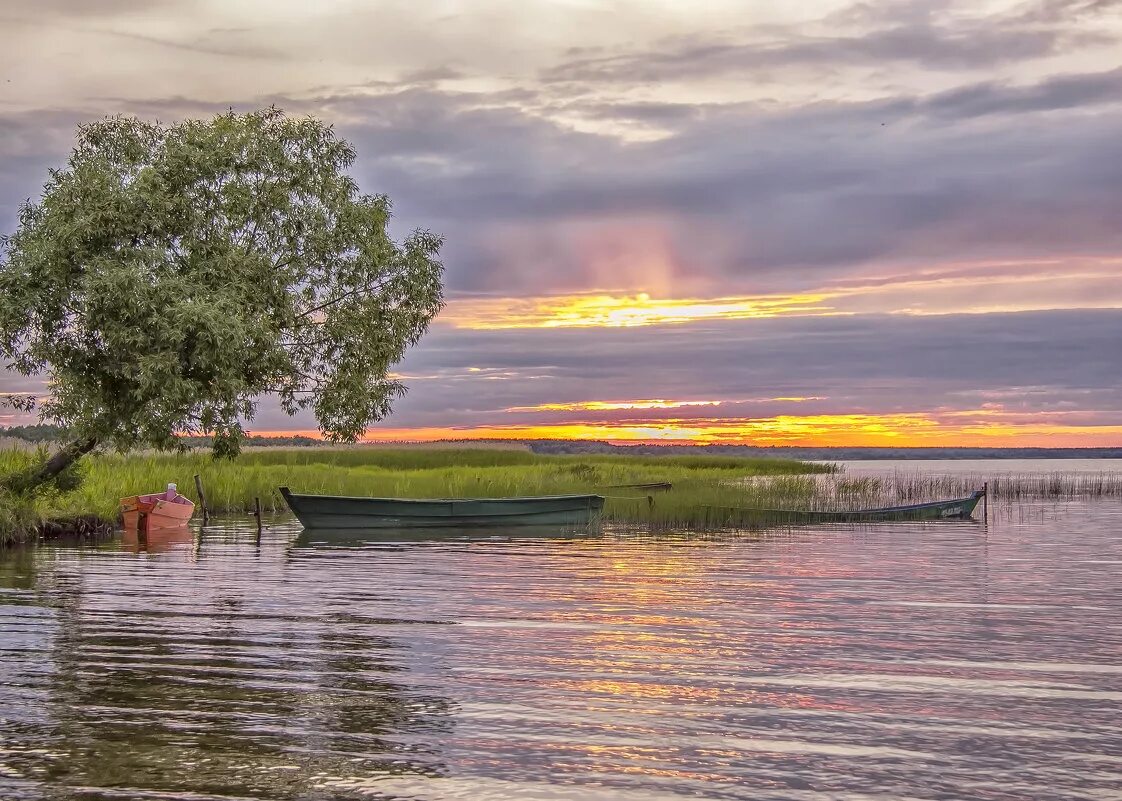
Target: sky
(876, 223)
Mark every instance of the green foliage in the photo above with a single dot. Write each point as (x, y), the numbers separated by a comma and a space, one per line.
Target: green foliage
(171, 275)
(21, 512)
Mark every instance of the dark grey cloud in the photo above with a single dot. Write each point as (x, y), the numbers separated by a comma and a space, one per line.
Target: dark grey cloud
(97, 8)
(97, 23)
(931, 35)
(30, 143)
(752, 199)
(985, 170)
(1029, 362)
(1053, 94)
(652, 112)
(1053, 11)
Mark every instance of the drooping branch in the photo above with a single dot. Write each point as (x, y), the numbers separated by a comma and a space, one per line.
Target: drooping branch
(19, 402)
(56, 464)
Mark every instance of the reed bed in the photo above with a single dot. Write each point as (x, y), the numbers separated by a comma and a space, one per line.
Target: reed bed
(844, 491)
(1047, 485)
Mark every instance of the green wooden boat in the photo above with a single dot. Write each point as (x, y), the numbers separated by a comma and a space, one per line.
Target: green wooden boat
(337, 512)
(956, 509)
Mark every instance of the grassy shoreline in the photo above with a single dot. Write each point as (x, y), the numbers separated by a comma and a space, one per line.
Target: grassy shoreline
(426, 473)
(701, 484)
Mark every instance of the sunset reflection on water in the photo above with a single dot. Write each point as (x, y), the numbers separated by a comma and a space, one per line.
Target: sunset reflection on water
(810, 664)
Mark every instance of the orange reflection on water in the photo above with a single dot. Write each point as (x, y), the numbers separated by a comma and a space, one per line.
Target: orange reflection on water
(157, 540)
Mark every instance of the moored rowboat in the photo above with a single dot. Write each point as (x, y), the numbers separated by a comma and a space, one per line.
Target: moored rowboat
(158, 510)
(340, 512)
(956, 509)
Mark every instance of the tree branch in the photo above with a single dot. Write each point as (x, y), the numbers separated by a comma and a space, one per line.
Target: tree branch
(62, 459)
(357, 290)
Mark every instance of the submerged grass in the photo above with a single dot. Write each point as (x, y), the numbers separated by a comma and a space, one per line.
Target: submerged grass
(841, 491)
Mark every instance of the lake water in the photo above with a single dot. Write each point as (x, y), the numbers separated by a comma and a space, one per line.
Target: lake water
(910, 661)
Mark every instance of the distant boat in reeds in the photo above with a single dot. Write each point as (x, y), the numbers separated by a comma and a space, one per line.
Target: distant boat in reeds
(339, 512)
(956, 509)
(652, 486)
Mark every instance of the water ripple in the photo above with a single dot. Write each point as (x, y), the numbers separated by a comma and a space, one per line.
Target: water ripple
(879, 662)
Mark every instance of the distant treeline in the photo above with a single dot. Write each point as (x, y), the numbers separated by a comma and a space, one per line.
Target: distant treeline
(47, 433)
(34, 433)
(256, 441)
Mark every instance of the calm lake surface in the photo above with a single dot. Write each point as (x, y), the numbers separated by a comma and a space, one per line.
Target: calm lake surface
(898, 661)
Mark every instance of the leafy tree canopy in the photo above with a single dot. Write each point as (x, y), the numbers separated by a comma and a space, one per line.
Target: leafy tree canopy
(171, 275)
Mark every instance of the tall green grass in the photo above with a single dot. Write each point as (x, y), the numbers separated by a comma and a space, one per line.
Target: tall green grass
(21, 514)
(233, 486)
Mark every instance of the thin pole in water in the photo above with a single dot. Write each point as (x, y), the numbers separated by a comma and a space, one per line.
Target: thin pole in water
(257, 514)
(202, 498)
(986, 502)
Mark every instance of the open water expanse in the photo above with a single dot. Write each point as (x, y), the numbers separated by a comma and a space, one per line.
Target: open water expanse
(898, 661)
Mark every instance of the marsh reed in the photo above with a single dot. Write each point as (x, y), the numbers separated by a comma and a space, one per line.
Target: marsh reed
(916, 487)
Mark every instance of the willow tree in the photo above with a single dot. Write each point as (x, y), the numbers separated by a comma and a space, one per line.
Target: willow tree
(171, 276)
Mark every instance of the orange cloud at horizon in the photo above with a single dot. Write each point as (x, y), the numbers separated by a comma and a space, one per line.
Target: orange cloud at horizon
(978, 428)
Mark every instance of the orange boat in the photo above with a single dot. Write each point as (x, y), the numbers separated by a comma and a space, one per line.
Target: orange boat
(168, 509)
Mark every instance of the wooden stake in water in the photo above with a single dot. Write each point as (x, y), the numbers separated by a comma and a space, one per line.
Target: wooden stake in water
(202, 498)
(257, 514)
(986, 502)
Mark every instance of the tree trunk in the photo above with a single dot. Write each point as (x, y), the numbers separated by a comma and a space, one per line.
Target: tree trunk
(59, 461)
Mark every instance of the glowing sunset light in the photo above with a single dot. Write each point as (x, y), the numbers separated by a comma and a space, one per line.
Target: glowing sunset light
(974, 288)
(624, 311)
(600, 406)
(657, 403)
(980, 428)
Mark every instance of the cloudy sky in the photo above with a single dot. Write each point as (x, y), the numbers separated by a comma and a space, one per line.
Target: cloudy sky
(892, 222)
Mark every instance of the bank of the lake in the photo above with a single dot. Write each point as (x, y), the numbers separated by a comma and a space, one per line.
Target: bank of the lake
(698, 483)
(708, 492)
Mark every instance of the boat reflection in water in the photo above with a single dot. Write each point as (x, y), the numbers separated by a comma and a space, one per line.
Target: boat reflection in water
(343, 537)
(156, 540)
